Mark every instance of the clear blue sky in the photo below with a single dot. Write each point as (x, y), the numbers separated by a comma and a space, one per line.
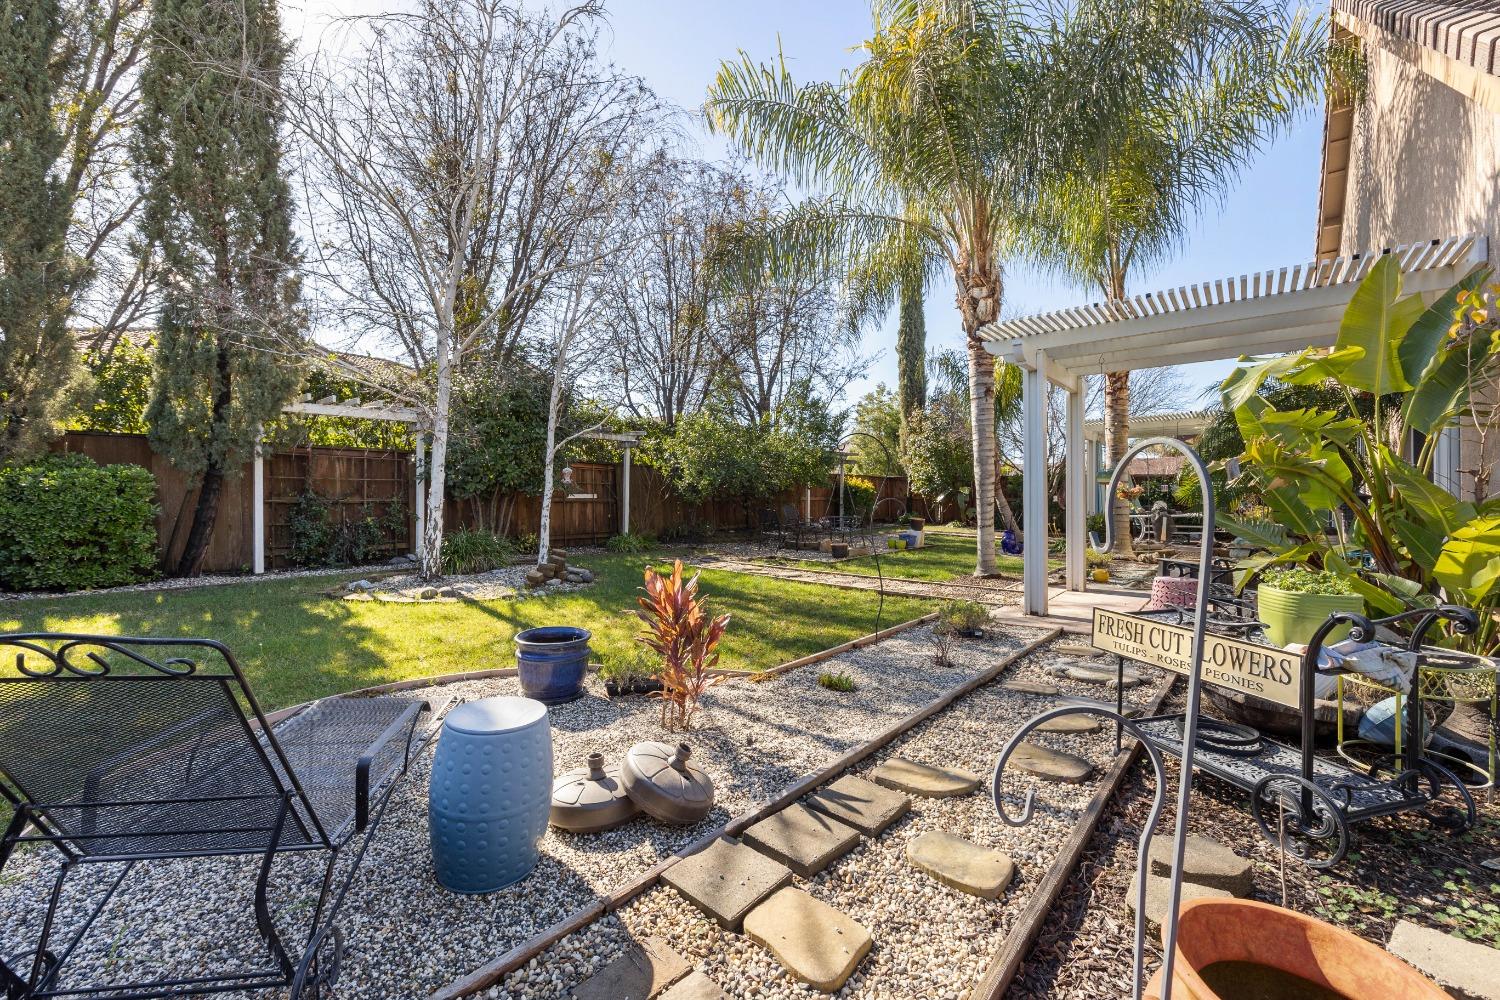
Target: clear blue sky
(677, 45)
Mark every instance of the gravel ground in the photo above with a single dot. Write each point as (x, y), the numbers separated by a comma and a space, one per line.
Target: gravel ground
(407, 935)
(507, 581)
(930, 941)
(212, 580)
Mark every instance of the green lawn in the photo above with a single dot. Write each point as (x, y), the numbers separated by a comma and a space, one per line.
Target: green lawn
(947, 555)
(297, 644)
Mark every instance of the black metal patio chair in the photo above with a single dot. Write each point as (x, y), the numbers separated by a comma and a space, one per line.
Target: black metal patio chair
(123, 749)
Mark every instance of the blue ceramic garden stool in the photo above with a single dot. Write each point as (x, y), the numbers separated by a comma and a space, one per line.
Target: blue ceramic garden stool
(551, 661)
(490, 794)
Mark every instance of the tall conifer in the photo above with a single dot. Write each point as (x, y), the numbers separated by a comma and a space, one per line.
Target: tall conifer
(219, 208)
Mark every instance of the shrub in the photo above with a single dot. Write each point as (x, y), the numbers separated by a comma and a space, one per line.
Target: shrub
(316, 540)
(474, 550)
(636, 665)
(630, 542)
(679, 630)
(1300, 580)
(529, 541)
(1096, 525)
(67, 523)
(861, 496)
(1095, 559)
(962, 617)
(836, 682)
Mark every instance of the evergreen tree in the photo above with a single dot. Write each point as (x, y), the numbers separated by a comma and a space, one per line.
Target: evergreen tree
(38, 276)
(219, 210)
(911, 348)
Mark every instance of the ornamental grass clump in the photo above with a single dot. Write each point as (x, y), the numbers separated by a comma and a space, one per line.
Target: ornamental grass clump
(679, 629)
(1301, 580)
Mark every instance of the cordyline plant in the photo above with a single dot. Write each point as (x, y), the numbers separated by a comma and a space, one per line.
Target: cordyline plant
(678, 629)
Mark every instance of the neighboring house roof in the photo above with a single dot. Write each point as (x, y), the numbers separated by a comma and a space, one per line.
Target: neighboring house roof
(1157, 466)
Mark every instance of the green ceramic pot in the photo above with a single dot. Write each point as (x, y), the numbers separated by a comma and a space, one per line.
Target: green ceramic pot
(1291, 617)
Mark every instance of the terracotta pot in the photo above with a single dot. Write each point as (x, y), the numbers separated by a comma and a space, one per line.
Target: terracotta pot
(1243, 930)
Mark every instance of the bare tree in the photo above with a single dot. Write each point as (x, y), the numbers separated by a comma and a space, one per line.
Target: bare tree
(454, 164)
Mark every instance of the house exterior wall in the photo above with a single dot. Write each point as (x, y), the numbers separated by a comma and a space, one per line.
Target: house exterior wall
(1424, 162)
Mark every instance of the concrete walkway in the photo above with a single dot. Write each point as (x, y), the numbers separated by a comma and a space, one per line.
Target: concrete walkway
(994, 592)
(1073, 610)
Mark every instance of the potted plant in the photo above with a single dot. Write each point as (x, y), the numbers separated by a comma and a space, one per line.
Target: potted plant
(1098, 563)
(917, 524)
(1230, 948)
(633, 673)
(1294, 601)
(550, 662)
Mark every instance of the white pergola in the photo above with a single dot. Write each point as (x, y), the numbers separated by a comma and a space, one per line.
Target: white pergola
(1270, 312)
(1181, 424)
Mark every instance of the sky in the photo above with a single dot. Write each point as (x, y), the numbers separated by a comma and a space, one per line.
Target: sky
(1267, 221)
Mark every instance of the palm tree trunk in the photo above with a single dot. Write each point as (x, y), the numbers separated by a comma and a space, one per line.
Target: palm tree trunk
(982, 416)
(1117, 430)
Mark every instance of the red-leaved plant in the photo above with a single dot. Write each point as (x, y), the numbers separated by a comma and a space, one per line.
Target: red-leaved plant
(679, 630)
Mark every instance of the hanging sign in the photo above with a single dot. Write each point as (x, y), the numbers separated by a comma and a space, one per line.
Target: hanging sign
(1264, 671)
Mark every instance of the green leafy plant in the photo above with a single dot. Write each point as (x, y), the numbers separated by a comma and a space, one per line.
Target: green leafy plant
(962, 617)
(1300, 580)
(1096, 560)
(679, 629)
(630, 668)
(474, 550)
(1407, 542)
(836, 681)
(630, 542)
(67, 523)
(319, 538)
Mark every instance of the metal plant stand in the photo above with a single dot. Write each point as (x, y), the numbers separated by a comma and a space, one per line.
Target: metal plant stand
(116, 750)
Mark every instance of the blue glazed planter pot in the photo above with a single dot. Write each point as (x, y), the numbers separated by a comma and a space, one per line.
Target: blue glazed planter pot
(551, 661)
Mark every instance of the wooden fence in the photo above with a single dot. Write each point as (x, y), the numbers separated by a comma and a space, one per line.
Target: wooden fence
(358, 483)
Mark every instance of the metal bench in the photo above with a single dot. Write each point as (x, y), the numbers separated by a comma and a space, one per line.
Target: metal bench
(121, 750)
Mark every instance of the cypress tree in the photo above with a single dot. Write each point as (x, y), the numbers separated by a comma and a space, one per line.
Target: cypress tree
(218, 206)
(38, 276)
(911, 348)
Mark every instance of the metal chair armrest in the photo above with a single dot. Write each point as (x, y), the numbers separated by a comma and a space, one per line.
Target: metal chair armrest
(407, 721)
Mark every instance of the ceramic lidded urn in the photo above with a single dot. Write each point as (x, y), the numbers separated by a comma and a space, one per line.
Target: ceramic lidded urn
(660, 780)
(591, 799)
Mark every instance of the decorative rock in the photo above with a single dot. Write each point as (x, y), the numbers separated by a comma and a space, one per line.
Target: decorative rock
(554, 582)
(447, 592)
(640, 974)
(360, 587)
(1053, 765)
(819, 945)
(662, 782)
(1206, 862)
(1090, 673)
(358, 597)
(587, 576)
(862, 804)
(803, 840)
(695, 986)
(1158, 894)
(1467, 969)
(534, 578)
(924, 779)
(726, 880)
(1029, 687)
(1130, 710)
(1078, 723)
(961, 865)
(1073, 649)
(428, 593)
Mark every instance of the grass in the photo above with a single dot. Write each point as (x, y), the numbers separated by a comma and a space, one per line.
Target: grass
(948, 555)
(296, 644)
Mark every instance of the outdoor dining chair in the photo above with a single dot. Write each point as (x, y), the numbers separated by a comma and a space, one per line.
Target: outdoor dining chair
(117, 750)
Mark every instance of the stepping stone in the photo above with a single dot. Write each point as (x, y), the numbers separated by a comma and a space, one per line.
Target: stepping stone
(1467, 969)
(1053, 765)
(1130, 710)
(1090, 673)
(862, 804)
(961, 865)
(819, 945)
(1158, 894)
(1073, 649)
(726, 880)
(1069, 724)
(644, 971)
(803, 840)
(695, 986)
(924, 779)
(1029, 687)
(1206, 862)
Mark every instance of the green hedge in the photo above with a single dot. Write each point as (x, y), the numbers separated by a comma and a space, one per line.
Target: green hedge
(67, 523)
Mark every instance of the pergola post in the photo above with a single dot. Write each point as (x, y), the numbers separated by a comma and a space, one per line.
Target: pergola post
(625, 492)
(419, 490)
(1074, 492)
(1034, 486)
(258, 509)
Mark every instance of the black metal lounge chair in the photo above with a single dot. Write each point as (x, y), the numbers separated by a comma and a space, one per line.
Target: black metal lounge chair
(122, 750)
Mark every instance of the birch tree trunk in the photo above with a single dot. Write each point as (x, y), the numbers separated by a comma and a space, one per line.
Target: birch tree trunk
(432, 535)
(544, 530)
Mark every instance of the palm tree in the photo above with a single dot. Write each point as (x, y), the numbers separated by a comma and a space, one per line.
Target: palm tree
(1181, 131)
(925, 151)
(935, 152)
